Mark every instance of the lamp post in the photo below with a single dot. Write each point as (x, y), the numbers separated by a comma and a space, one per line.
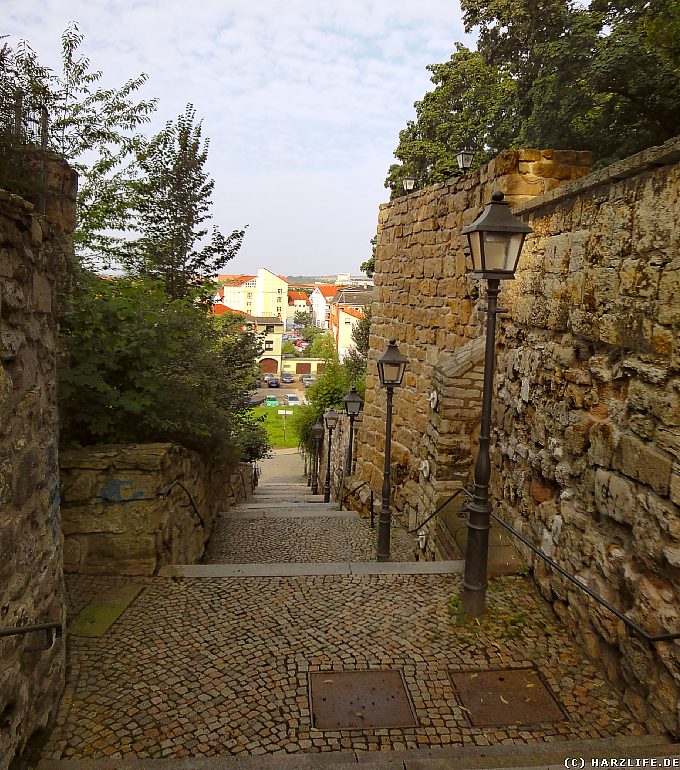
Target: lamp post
(330, 418)
(496, 238)
(408, 182)
(317, 432)
(391, 368)
(464, 159)
(352, 402)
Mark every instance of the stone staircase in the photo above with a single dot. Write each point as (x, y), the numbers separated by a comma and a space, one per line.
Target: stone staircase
(320, 544)
(637, 751)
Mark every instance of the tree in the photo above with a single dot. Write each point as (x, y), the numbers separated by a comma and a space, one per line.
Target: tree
(302, 318)
(323, 346)
(356, 358)
(172, 199)
(288, 349)
(142, 368)
(92, 128)
(369, 265)
(310, 332)
(470, 107)
(586, 77)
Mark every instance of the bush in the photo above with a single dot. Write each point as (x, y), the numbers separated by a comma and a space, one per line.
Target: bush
(141, 367)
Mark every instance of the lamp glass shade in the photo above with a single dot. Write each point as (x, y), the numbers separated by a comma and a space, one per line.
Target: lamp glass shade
(353, 402)
(409, 183)
(317, 430)
(391, 366)
(464, 159)
(496, 238)
(331, 417)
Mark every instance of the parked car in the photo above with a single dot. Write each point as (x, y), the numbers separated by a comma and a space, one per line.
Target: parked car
(287, 378)
(273, 383)
(308, 382)
(290, 399)
(267, 377)
(303, 377)
(271, 401)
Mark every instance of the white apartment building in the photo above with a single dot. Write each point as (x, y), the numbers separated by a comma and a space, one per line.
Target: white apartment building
(261, 295)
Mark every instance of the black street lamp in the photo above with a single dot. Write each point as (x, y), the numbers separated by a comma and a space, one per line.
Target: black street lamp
(391, 368)
(352, 402)
(317, 432)
(496, 238)
(330, 417)
(408, 183)
(464, 159)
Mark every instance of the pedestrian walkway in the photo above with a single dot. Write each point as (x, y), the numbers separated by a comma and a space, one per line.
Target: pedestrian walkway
(223, 665)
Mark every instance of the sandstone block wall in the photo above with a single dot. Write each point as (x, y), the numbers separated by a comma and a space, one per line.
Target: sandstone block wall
(586, 424)
(31, 580)
(587, 413)
(425, 299)
(115, 520)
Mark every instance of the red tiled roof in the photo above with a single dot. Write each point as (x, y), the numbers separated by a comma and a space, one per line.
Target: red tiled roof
(351, 311)
(297, 295)
(327, 290)
(235, 280)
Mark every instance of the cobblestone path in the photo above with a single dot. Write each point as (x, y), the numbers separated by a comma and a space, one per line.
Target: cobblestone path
(219, 666)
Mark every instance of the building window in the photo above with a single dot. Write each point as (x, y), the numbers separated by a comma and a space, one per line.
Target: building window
(269, 329)
(250, 294)
(268, 346)
(280, 291)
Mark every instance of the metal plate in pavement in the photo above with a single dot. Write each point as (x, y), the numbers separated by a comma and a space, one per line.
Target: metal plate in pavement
(360, 700)
(506, 697)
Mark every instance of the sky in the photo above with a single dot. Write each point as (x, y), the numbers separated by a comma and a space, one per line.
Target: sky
(302, 100)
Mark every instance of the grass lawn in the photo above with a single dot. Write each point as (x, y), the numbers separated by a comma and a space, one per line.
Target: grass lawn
(273, 423)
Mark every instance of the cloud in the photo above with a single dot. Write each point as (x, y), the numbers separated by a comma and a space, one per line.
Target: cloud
(303, 101)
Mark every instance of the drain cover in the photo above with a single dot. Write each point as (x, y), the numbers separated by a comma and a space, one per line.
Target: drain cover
(360, 700)
(506, 697)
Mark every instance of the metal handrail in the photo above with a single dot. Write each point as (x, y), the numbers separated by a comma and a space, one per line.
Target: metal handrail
(55, 625)
(572, 578)
(373, 496)
(178, 483)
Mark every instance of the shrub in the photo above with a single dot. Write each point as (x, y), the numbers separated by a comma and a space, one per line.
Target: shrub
(139, 366)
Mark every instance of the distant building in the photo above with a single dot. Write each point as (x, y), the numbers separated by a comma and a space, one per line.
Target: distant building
(346, 309)
(298, 301)
(271, 330)
(264, 294)
(347, 279)
(320, 299)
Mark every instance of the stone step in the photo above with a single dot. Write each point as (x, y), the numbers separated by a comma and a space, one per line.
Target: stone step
(306, 569)
(290, 504)
(549, 756)
(312, 512)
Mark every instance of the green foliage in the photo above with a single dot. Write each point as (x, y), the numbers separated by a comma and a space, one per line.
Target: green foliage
(369, 265)
(288, 349)
(328, 391)
(273, 424)
(142, 367)
(172, 199)
(356, 358)
(93, 128)
(602, 76)
(586, 76)
(323, 346)
(470, 107)
(310, 332)
(303, 318)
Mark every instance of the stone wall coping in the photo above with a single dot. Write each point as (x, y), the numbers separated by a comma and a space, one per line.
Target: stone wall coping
(663, 155)
(463, 359)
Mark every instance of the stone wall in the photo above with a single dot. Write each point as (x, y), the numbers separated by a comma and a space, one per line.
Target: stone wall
(32, 260)
(115, 519)
(586, 425)
(587, 414)
(425, 299)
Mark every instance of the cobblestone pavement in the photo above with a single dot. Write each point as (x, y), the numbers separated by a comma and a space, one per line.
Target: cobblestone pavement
(219, 666)
(318, 539)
